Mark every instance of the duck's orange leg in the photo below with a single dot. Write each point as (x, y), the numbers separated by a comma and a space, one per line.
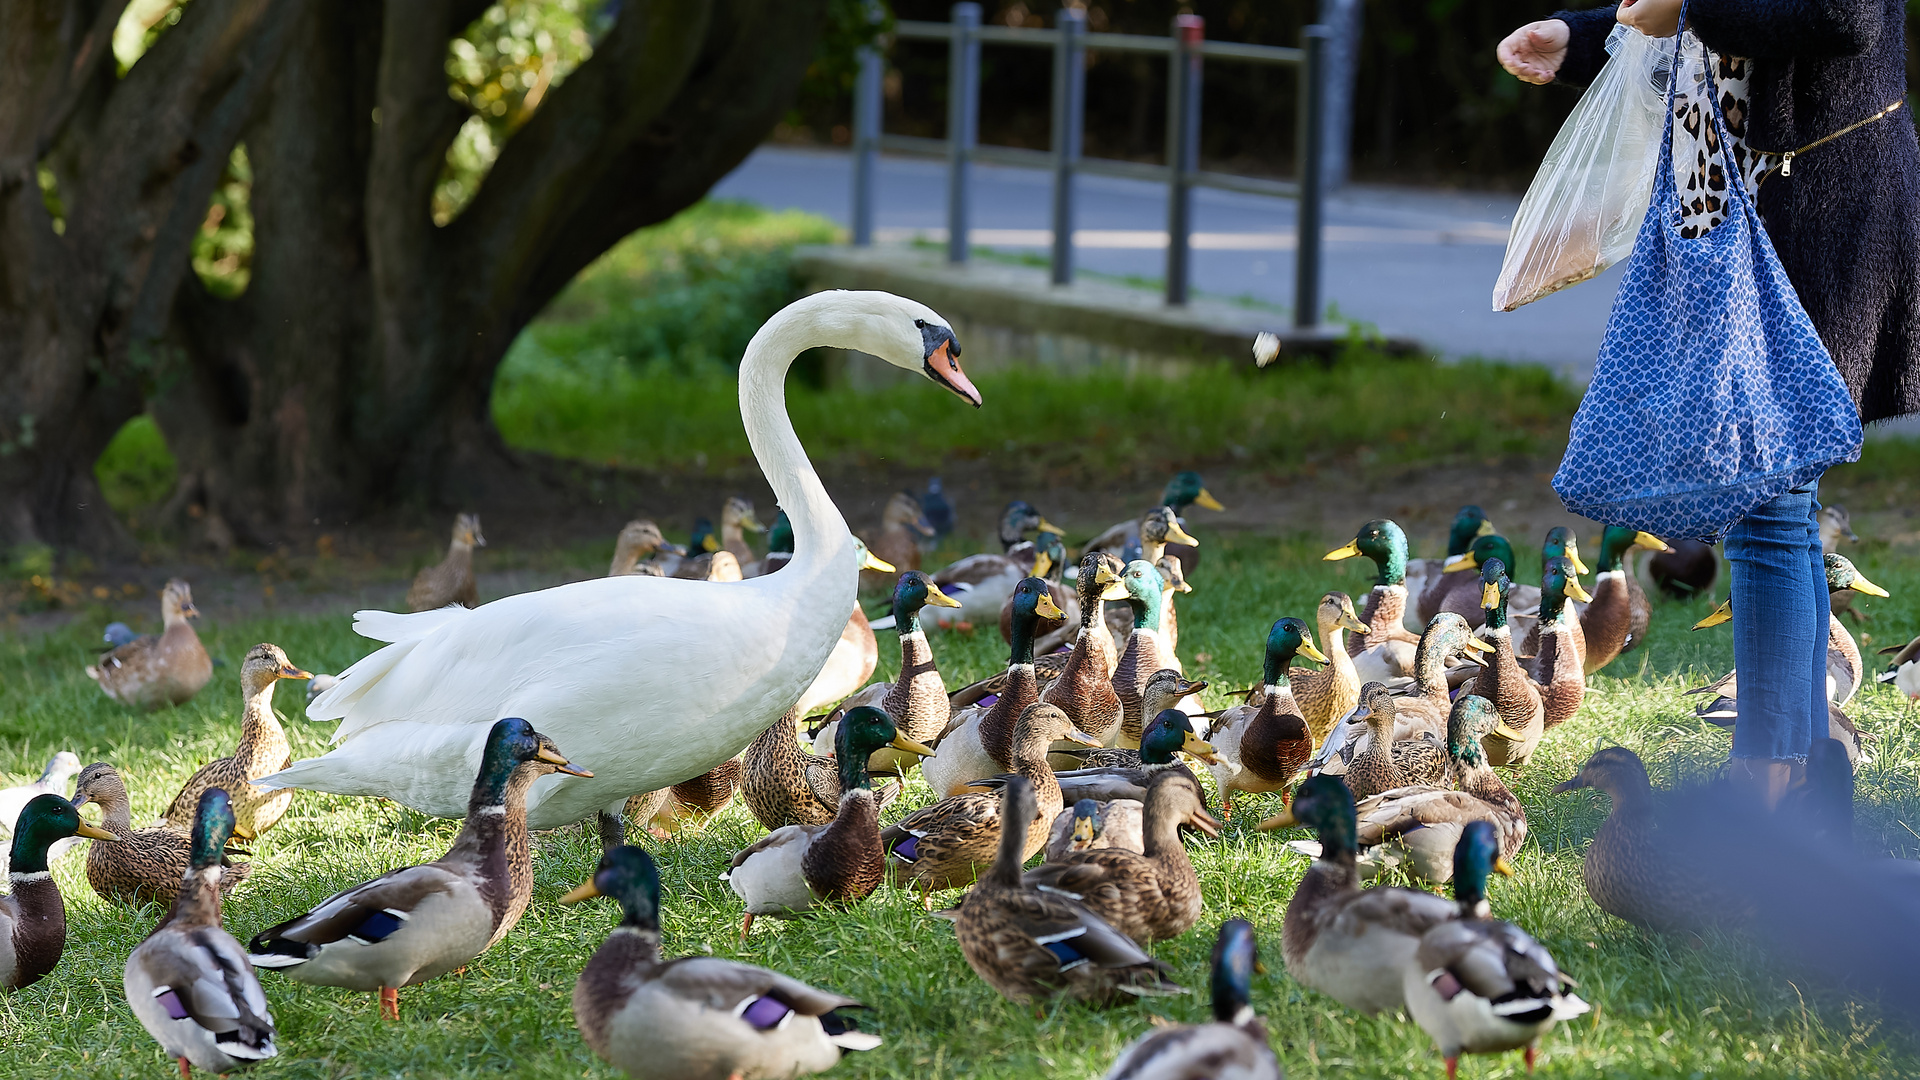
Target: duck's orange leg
(390, 1003)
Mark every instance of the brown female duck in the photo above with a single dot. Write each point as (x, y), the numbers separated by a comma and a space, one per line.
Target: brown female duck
(152, 671)
(1330, 692)
(633, 552)
(142, 865)
(902, 527)
(1387, 764)
(785, 785)
(1523, 717)
(1261, 747)
(263, 749)
(1084, 688)
(1425, 707)
(450, 581)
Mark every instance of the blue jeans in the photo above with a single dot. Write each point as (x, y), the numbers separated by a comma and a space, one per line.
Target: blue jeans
(1780, 609)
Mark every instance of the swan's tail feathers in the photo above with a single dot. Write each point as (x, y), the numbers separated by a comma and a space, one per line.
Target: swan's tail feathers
(351, 685)
(393, 626)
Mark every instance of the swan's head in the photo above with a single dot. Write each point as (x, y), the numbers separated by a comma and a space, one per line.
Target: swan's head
(907, 335)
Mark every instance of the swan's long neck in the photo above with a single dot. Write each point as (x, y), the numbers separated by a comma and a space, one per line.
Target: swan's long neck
(819, 532)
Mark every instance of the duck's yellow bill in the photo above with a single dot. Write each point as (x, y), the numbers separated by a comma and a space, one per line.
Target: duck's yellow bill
(1502, 867)
(94, 832)
(1476, 643)
(1861, 584)
(901, 742)
(1459, 562)
(1351, 549)
(1578, 591)
(1199, 748)
(1048, 526)
(938, 598)
(1349, 621)
(1501, 729)
(1723, 613)
(1206, 501)
(288, 671)
(752, 524)
(1180, 536)
(1486, 528)
(1048, 609)
(586, 891)
(1308, 650)
(1489, 596)
(1573, 556)
(1650, 542)
(875, 562)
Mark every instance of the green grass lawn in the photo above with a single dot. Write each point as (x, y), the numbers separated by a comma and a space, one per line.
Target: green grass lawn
(1663, 1007)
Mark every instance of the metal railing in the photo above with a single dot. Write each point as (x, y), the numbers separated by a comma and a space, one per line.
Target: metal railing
(1186, 49)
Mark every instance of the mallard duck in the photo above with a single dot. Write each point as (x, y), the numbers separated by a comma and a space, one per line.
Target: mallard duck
(1846, 669)
(263, 749)
(420, 922)
(938, 509)
(143, 865)
(979, 741)
(1145, 653)
(1048, 566)
(1903, 670)
(1469, 524)
(188, 983)
(1029, 943)
(1233, 1047)
(1423, 708)
(1119, 773)
(686, 807)
(854, 656)
(1157, 530)
(789, 870)
(1386, 763)
(1091, 823)
(1632, 870)
(1262, 747)
(697, 1017)
(902, 527)
(1523, 601)
(1344, 942)
(779, 547)
(450, 581)
(53, 781)
(1330, 692)
(1457, 589)
(1686, 570)
(1835, 525)
(945, 845)
(715, 672)
(1172, 583)
(736, 520)
(1558, 664)
(722, 566)
(1416, 828)
(33, 917)
(983, 582)
(635, 548)
(1481, 985)
(785, 785)
(1151, 895)
(1522, 707)
(152, 671)
(1386, 650)
(1084, 688)
(917, 700)
(1128, 541)
(1618, 614)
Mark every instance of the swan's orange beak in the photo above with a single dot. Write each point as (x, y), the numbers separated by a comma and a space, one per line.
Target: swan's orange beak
(942, 365)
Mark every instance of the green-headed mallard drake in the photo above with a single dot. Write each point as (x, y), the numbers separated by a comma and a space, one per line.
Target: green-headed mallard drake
(854, 656)
(263, 749)
(1150, 895)
(420, 922)
(53, 781)
(638, 543)
(188, 983)
(1481, 985)
(1688, 570)
(1116, 773)
(917, 700)
(1386, 650)
(33, 917)
(983, 582)
(142, 865)
(1523, 601)
(1630, 871)
(1424, 706)
(1084, 688)
(979, 740)
(1091, 823)
(1049, 566)
(155, 670)
(1262, 746)
(1146, 650)
(1349, 944)
(789, 870)
(1561, 543)
(1469, 524)
(1233, 1047)
(697, 1017)
(902, 527)
(1330, 692)
(944, 846)
(1457, 589)
(1617, 617)
(1523, 715)
(1416, 828)
(1031, 944)
(779, 547)
(1128, 541)
(451, 580)
(1558, 664)
(1386, 763)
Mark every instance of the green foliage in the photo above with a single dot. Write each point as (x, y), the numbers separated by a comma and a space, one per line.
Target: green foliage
(223, 248)
(828, 83)
(136, 470)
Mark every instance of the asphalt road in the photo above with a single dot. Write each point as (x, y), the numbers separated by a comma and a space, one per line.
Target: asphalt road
(1416, 263)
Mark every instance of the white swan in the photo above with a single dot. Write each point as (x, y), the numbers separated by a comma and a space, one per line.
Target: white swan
(646, 681)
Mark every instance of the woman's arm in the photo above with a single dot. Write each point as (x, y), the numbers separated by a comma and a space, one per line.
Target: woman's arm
(1756, 28)
(1586, 44)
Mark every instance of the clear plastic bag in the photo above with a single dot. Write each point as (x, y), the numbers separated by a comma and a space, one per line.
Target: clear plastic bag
(1586, 203)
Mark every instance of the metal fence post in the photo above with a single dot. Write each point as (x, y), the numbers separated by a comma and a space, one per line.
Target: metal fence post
(1344, 18)
(1069, 116)
(866, 135)
(1313, 175)
(1183, 149)
(963, 123)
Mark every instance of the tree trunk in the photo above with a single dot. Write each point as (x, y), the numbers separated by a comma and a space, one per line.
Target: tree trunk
(357, 368)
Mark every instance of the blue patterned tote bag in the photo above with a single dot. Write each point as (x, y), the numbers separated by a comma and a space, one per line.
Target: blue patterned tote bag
(1713, 393)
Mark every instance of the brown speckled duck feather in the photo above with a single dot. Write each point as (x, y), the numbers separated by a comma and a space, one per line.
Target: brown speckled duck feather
(142, 865)
(167, 669)
(263, 749)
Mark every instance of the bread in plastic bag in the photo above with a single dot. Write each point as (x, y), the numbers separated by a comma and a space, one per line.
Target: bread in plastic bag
(1586, 203)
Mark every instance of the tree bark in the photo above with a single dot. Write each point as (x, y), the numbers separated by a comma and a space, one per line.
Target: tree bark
(357, 368)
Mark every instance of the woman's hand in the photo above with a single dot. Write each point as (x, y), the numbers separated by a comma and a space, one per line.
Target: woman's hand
(1534, 52)
(1654, 18)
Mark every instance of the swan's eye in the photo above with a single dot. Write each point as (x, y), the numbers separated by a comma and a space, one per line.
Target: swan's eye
(920, 324)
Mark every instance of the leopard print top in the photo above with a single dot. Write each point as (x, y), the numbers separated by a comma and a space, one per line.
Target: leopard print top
(1698, 163)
